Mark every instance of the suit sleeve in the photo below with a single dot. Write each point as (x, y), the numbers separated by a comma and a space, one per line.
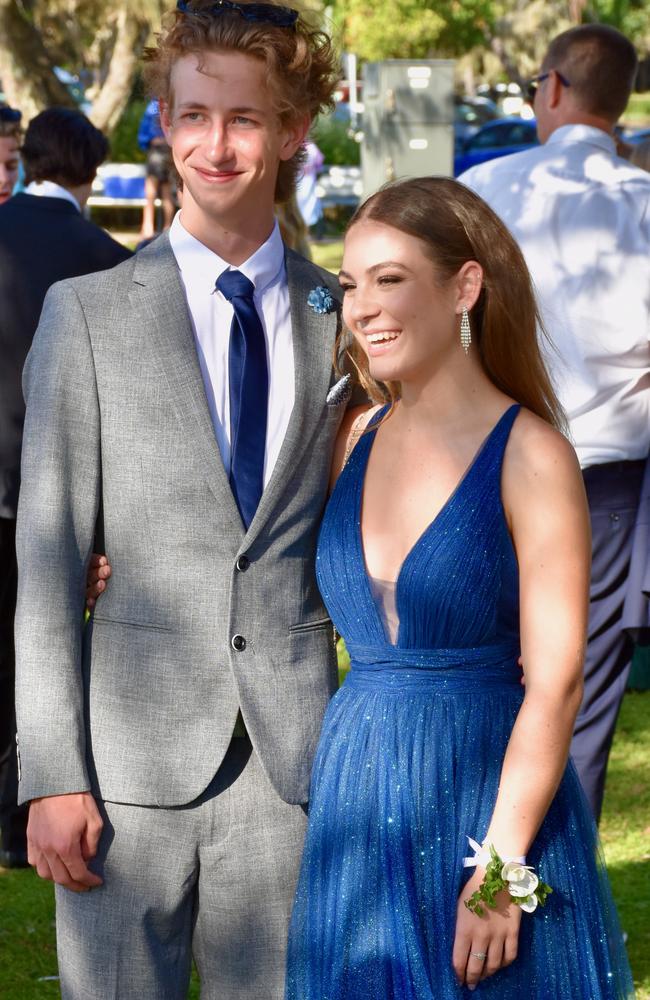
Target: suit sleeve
(57, 511)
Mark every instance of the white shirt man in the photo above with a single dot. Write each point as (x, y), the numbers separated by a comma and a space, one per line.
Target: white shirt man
(582, 218)
(581, 215)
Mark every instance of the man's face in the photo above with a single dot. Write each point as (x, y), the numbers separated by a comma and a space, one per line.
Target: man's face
(9, 163)
(226, 137)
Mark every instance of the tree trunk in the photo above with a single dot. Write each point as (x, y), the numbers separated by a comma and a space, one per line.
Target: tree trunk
(26, 69)
(576, 9)
(497, 46)
(131, 34)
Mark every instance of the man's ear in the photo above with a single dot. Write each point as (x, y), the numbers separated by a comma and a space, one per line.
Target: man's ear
(295, 134)
(555, 88)
(164, 110)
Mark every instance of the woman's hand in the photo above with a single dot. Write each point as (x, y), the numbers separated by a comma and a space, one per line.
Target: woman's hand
(99, 571)
(495, 935)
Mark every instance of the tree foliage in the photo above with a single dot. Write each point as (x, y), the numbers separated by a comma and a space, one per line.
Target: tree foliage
(632, 17)
(412, 29)
(500, 37)
(100, 42)
(103, 42)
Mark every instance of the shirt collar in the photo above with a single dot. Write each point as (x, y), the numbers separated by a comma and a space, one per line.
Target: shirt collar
(48, 189)
(202, 266)
(583, 133)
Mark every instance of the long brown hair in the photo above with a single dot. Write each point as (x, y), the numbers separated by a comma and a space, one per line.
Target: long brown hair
(456, 226)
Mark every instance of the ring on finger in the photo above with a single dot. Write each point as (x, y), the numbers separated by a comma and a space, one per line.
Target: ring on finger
(481, 955)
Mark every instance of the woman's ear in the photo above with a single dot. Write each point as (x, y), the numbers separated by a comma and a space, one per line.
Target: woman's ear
(469, 282)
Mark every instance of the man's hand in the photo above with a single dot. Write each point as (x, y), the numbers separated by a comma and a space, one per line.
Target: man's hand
(62, 835)
(99, 571)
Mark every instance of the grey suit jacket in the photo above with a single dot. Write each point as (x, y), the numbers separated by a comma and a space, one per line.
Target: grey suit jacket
(140, 705)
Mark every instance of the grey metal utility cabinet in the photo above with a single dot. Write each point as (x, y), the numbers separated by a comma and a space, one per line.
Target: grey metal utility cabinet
(408, 120)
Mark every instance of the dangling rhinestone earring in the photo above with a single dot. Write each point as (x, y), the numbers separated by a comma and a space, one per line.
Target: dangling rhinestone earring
(465, 331)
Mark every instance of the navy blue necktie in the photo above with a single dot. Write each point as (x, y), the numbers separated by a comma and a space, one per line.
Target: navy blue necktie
(249, 394)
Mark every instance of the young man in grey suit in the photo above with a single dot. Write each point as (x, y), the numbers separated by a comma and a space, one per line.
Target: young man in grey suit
(181, 404)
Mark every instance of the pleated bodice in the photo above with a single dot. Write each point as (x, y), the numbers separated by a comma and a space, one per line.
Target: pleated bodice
(457, 587)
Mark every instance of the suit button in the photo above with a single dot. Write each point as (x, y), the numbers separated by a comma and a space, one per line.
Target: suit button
(238, 643)
(243, 563)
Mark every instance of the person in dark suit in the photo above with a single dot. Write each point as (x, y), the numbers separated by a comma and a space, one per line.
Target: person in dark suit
(10, 136)
(43, 239)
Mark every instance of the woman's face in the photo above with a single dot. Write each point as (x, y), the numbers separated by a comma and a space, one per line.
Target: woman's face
(403, 318)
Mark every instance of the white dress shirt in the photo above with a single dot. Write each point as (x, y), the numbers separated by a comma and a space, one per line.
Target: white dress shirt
(49, 189)
(581, 215)
(212, 316)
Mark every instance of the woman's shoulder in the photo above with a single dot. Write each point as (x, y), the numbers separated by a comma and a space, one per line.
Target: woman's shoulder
(539, 459)
(353, 425)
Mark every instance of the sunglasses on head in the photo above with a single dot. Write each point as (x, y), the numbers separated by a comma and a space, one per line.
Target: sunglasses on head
(533, 85)
(8, 114)
(281, 17)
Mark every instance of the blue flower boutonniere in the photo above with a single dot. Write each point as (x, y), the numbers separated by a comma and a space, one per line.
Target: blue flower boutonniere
(321, 300)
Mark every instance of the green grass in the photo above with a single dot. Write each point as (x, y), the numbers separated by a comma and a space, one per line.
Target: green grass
(638, 110)
(328, 255)
(27, 949)
(625, 831)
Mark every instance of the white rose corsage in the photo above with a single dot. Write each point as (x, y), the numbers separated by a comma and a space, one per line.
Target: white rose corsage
(517, 878)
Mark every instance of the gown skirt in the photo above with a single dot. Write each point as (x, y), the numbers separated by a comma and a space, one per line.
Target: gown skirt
(408, 767)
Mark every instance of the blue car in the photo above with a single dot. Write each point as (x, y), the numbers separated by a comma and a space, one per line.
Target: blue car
(497, 138)
(636, 136)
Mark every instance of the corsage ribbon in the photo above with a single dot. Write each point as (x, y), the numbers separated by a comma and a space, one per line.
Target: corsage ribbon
(483, 857)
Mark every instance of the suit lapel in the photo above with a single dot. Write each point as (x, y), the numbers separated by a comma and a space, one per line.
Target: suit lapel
(158, 300)
(313, 338)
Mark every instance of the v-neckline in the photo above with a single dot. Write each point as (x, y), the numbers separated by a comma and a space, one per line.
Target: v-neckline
(430, 526)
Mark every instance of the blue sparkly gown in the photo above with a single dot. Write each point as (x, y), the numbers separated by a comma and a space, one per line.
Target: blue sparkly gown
(408, 765)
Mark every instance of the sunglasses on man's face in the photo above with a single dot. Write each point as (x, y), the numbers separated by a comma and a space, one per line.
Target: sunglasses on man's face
(12, 115)
(281, 17)
(533, 85)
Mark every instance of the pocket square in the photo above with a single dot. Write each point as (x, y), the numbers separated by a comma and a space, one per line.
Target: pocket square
(340, 391)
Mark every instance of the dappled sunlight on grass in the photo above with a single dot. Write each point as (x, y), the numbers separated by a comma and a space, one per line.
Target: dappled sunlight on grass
(328, 255)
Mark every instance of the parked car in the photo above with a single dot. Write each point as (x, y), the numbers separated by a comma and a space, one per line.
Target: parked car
(637, 135)
(497, 138)
(470, 113)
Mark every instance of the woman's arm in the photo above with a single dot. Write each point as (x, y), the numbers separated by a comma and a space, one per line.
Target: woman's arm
(544, 496)
(547, 511)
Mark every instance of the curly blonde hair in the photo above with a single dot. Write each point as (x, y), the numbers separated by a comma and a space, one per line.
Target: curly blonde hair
(301, 64)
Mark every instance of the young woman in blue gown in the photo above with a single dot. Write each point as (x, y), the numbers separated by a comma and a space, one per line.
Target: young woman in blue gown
(455, 544)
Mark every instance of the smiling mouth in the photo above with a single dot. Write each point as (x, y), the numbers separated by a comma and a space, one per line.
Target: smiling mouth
(382, 338)
(219, 175)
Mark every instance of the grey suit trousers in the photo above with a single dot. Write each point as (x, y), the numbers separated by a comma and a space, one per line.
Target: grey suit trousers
(215, 878)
